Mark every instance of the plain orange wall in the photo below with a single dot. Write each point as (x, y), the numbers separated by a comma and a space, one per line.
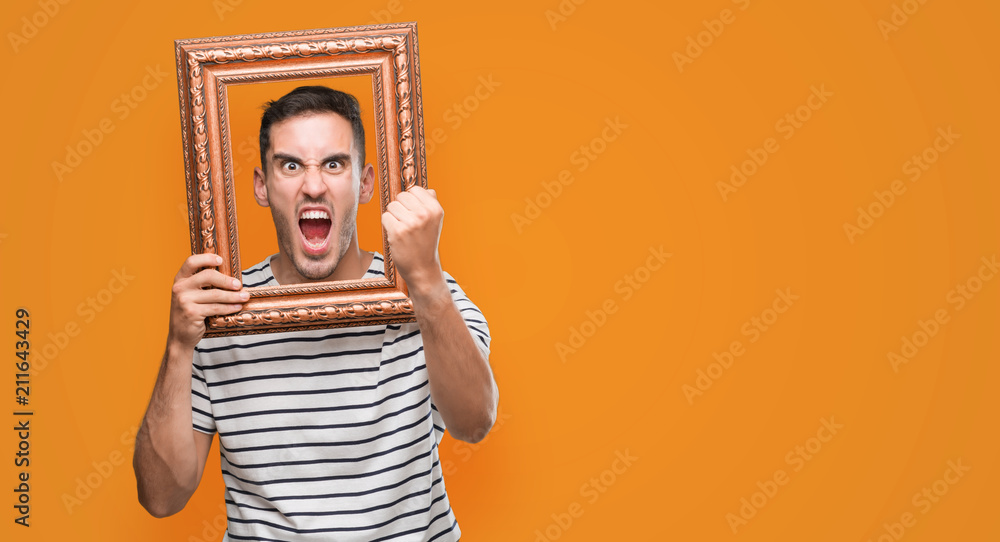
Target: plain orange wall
(677, 357)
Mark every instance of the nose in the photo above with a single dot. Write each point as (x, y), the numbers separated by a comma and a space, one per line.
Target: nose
(312, 182)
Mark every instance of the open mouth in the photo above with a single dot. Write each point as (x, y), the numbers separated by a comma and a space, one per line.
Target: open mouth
(315, 225)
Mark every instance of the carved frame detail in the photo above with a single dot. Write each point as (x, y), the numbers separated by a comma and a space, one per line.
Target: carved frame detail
(205, 67)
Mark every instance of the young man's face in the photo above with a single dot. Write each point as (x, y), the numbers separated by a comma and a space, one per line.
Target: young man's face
(313, 186)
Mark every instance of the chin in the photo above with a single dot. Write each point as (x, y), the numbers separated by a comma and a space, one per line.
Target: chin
(316, 270)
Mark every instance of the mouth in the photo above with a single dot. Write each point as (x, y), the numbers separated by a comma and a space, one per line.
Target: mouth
(315, 226)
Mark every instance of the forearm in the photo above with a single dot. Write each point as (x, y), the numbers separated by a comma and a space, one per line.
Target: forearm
(461, 381)
(166, 462)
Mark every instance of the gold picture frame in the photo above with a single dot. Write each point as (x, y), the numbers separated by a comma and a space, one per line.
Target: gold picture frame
(206, 67)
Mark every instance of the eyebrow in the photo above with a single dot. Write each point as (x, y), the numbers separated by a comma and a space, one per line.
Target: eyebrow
(341, 157)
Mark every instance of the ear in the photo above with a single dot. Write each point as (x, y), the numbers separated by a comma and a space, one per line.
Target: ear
(259, 187)
(367, 184)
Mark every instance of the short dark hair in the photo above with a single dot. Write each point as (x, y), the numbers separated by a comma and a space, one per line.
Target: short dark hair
(312, 99)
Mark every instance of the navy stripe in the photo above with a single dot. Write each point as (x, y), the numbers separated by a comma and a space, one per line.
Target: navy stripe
(416, 476)
(292, 339)
(343, 512)
(319, 373)
(418, 529)
(289, 357)
(347, 529)
(331, 478)
(292, 375)
(261, 283)
(444, 532)
(259, 267)
(328, 426)
(401, 338)
(319, 409)
(326, 391)
(256, 538)
(478, 331)
(418, 440)
(401, 356)
(327, 444)
(202, 429)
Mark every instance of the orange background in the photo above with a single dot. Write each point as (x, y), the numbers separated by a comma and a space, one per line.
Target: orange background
(548, 471)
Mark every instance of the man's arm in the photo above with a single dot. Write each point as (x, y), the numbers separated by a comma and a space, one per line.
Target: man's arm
(170, 454)
(461, 381)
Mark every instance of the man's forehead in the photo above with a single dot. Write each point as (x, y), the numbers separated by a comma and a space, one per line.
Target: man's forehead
(315, 130)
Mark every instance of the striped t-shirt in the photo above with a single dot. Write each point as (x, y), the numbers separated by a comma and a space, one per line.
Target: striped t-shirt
(328, 434)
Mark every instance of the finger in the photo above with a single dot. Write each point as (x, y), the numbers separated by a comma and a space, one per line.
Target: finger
(427, 200)
(219, 309)
(399, 211)
(198, 261)
(210, 278)
(214, 295)
(389, 222)
(408, 199)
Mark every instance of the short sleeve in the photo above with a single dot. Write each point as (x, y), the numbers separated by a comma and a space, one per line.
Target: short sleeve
(201, 405)
(474, 318)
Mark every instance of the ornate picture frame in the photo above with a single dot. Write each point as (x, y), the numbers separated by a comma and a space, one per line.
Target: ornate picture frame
(206, 67)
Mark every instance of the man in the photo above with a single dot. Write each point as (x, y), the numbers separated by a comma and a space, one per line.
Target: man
(324, 434)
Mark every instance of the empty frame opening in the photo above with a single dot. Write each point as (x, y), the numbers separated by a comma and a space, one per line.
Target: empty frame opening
(255, 225)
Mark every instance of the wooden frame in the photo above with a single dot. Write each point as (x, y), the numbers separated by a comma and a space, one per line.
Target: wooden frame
(204, 69)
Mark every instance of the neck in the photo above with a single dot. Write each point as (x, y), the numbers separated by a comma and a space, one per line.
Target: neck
(352, 266)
